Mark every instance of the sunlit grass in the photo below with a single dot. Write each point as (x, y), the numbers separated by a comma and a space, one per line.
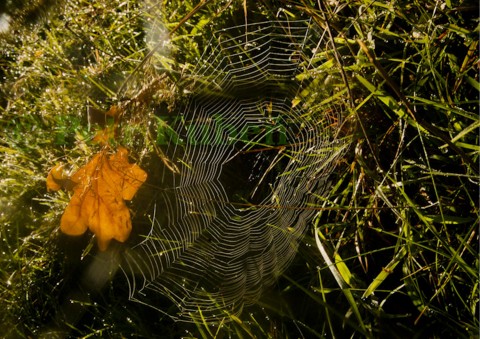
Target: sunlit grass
(393, 250)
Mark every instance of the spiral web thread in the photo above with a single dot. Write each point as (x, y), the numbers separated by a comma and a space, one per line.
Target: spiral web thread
(252, 164)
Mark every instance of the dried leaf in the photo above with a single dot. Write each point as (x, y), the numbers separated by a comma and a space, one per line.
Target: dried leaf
(105, 136)
(56, 177)
(100, 189)
(114, 112)
(98, 116)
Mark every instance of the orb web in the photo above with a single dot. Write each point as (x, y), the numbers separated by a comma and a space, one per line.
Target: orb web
(251, 162)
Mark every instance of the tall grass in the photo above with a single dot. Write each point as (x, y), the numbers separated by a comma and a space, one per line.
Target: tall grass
(392, 251)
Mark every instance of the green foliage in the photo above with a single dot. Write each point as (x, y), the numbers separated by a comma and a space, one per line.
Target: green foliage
(398, 232)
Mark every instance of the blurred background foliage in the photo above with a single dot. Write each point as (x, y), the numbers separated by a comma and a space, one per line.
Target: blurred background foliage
(400, 222)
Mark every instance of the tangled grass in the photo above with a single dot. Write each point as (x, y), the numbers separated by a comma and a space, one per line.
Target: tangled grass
(393, 249)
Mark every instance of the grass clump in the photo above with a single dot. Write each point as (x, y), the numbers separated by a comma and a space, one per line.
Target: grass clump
(392, 251)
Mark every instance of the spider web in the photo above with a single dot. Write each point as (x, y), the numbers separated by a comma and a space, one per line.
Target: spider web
(251, 165)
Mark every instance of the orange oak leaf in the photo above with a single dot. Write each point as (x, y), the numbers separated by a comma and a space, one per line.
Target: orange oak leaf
(100, 189)
(56, 178)
(104, 136)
